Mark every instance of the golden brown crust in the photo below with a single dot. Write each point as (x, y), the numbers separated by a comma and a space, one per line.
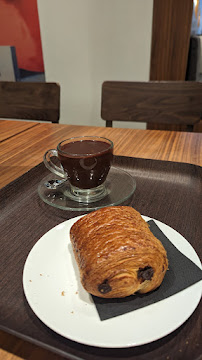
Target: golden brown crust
(116, 253)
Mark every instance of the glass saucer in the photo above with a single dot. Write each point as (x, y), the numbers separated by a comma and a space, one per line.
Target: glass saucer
(120, 187)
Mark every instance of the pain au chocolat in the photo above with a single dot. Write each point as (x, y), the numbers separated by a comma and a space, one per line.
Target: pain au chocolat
(116, 253)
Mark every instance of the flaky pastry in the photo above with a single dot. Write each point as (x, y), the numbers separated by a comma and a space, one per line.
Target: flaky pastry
(116, 253)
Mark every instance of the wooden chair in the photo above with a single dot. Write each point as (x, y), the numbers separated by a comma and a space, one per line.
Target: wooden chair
(30, 101)
(161, 102)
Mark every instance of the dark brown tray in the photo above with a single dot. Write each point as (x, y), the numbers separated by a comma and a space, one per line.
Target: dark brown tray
(167, 191)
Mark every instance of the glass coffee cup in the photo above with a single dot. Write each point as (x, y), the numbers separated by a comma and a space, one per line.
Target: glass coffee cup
(84, 163)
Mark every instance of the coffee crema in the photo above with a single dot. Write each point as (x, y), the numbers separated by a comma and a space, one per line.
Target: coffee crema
(86, 162)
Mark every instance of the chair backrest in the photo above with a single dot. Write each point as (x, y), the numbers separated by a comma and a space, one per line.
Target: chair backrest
(30, 101)
(162, 102)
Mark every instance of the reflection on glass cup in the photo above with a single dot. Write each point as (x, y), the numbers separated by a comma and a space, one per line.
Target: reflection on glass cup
(85, 162)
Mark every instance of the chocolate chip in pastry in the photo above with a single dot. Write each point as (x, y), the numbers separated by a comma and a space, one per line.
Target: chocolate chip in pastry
(116, 253)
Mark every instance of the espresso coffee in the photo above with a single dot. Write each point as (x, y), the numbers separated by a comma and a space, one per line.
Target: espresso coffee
(86, 162)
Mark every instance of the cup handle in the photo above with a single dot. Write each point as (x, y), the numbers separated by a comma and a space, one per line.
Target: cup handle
(51, 166)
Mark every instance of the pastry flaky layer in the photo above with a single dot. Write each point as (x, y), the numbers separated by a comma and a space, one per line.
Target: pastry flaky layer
(116, 253)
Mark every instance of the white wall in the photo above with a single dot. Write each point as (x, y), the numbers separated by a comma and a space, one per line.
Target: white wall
(86, 42)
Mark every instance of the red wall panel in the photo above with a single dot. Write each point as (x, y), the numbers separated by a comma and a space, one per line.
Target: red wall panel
(19, 27)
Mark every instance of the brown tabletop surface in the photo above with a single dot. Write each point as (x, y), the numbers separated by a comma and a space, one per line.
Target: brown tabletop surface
(23, 144)
(12, 128)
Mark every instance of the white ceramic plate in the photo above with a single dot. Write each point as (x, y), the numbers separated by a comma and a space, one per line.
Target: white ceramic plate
(53, 290)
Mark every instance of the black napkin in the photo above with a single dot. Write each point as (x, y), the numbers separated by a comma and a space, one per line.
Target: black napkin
(181, 274)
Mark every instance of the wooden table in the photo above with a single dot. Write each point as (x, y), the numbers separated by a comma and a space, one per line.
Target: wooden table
(12, 128)
(22, 145)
